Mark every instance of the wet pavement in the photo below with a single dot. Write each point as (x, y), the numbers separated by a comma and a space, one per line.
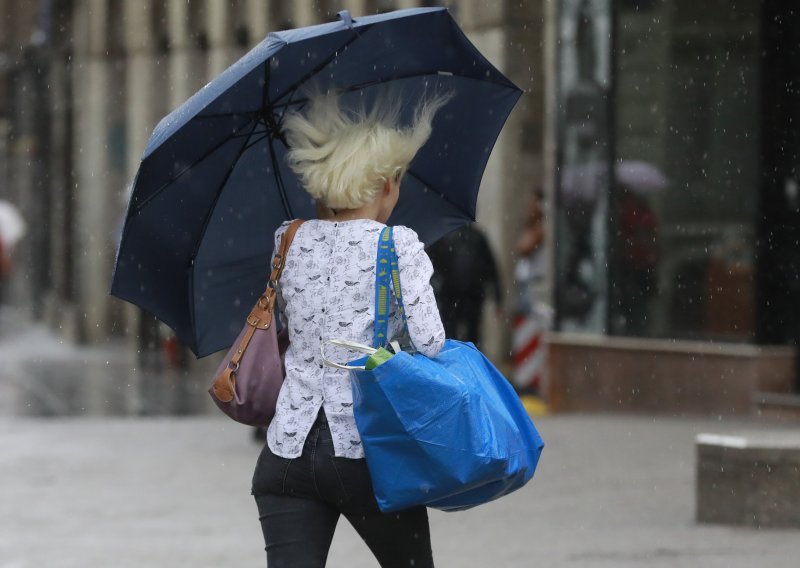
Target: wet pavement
(164, 492)
(96, 472)
(44, 376)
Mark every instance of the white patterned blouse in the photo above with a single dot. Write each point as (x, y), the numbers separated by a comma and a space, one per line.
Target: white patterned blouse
(327, 291)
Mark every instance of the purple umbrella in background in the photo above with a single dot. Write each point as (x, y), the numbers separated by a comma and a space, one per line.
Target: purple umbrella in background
(581, 183)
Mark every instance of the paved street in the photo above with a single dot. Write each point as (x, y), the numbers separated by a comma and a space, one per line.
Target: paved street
(104, 492)
(93, 490)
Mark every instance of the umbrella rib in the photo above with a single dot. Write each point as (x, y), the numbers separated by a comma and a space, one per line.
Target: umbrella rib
(316, 70)
(251, 143)
(213, 115)
(188, 167)
(265, 88)
(287, 208)
(235, 161)
(207, 222)
(443, 196)
(248, 134)
(272, 130)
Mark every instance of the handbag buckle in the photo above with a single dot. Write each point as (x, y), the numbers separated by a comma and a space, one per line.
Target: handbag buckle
(253, 320)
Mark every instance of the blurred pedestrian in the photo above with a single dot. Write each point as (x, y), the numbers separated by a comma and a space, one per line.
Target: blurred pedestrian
(464, 272)
(5, 268)
(12, 229)
(640, 255)
(312, 468)
(532, 315)
(531, 266)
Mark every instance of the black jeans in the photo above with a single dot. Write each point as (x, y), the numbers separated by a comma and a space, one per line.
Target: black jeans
(299, 502)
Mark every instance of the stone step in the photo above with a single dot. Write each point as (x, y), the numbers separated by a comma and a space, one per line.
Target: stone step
(751, 479)
(784, 407)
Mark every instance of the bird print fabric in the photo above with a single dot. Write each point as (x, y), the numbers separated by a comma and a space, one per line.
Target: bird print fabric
(327, 291)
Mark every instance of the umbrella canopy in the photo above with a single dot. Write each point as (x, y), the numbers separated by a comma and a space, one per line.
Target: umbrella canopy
(580, 183)
(214, 184)
(12, 225)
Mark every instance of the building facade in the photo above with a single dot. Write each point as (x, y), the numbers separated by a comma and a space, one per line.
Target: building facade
(83, 83)
(663, 133)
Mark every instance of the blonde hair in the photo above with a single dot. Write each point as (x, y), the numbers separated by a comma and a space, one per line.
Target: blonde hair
(343, 156)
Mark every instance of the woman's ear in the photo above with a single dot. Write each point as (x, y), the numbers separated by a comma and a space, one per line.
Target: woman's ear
(387, 187)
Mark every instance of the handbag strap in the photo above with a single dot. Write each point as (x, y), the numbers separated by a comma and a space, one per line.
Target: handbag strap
(262, 313)
(387, 277)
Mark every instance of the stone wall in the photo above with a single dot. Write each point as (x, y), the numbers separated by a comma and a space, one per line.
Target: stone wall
(604, 374)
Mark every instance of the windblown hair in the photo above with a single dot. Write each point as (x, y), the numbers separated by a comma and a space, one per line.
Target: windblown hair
(343, 156)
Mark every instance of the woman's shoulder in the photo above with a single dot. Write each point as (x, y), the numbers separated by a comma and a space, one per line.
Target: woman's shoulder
(404, 235)
(407, 243)
(283, 227)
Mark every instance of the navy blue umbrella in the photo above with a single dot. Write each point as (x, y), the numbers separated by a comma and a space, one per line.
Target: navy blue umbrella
(214, 185)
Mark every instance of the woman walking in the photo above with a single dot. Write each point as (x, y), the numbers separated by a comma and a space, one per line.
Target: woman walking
(312, 469)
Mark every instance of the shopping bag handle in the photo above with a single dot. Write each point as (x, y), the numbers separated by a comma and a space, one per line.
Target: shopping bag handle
(353, 346)
(347, 344)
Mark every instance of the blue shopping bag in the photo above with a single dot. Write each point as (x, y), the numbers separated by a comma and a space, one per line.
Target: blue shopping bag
(447, 432)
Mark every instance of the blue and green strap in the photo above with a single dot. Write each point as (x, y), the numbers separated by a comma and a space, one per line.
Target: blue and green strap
(387, 274)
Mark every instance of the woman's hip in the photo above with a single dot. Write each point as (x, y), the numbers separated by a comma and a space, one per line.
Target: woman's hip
(317, 474)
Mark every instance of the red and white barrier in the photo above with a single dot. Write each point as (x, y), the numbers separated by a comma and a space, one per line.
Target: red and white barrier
(529, 350)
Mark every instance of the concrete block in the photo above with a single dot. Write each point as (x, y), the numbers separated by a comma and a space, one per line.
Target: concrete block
(751, 479)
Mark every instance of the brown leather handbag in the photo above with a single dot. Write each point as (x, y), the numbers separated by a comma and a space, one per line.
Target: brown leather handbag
(250, 377)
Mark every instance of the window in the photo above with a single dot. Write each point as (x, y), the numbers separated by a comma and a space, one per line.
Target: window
(686, 114)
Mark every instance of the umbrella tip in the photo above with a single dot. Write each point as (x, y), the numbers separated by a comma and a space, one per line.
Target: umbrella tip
(345, 16)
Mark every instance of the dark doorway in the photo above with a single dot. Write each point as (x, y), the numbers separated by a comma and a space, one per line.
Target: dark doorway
(778, 286)
(778, 250)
